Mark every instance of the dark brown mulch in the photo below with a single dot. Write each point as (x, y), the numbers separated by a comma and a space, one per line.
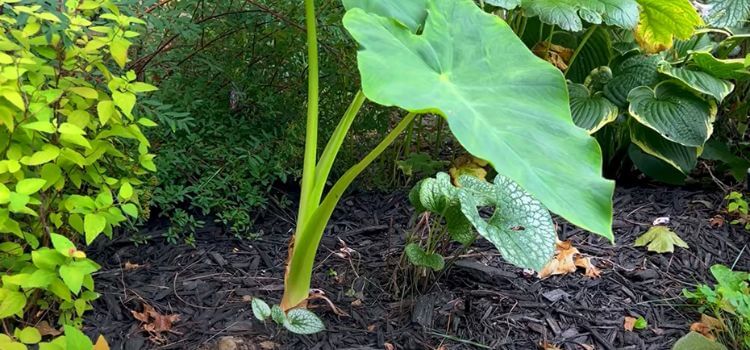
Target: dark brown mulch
(481, 302)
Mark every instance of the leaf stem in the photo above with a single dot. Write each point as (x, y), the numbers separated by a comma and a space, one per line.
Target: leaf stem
(311, 134)
(580, 47)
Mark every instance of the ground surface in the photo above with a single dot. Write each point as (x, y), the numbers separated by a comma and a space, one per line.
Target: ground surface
(480, 303)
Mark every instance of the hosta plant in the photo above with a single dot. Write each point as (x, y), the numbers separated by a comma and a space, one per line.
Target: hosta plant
(447, 58)
(72, 153)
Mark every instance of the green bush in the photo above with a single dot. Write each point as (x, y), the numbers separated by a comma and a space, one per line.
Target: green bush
(73, 155)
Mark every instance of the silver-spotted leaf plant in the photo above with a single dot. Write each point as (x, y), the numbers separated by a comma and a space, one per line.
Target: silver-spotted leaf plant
(449, 58)
(72, 153)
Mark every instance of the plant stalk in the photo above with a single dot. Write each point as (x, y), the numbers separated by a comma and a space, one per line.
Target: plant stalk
(302, 259)
(586, 37)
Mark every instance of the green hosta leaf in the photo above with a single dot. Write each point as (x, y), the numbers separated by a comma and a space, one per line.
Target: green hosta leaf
(419, 257)
(595, 53)
(28, 335)
(662, 21)
(567, 14)
(590, 112)
(660, 239)
(698, 81)
(655, 168)
(721, 68)
(76, 340)
(728, 13)
(30, 186)
(261, 310)
(633, 72)
(717, 150)
(93, 226)
(303, 321)
(11, 302)
(681, 157)
(444, 70)
(675, 113)
(695, 340)
(520, 228)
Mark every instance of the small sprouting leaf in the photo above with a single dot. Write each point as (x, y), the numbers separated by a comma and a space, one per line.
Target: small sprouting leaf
(261, 310)
(419, 257)
(660, 239)
(640, 323)
(28, 335)
(278, 315)
(303, 321)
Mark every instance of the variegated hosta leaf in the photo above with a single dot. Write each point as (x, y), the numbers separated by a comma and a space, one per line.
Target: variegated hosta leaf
(698, 81)
(568, 14)
(451, 68)
(728, 13)
(590, 112)
(655, 168)
(419, 257)
(598, 78)
(520, 227)
(649, 141)
(664, 20)
(721, 68)
(635, 71)
(674, 112)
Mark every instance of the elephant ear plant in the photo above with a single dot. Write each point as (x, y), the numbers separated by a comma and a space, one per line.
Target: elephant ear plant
(502, 103)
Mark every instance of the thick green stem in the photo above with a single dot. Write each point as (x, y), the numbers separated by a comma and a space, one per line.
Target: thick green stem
(323, 169)
(300, 266)
(311, 137)
(580, 47)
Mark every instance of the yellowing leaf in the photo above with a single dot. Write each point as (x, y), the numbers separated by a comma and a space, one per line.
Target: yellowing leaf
(85, 92)
(662, 21)
(660, 239)
(101, 343)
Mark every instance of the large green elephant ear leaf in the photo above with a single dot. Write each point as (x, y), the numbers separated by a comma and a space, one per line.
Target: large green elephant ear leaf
(664, 20)
(674, 112)
(410, 13)
(518, 119)
(728, 13)
(591, 112)
(520, 227)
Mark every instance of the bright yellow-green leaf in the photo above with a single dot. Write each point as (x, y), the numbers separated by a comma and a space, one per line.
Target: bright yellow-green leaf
(4, 194)
(126, 190)
(147, 162)
(13, 302)
(147, 122)
(30, 186)
(42, 126)
(105, 110)
(6, 118)
(663, 21)
(142, 87)
(51, 173)
(119, 50)
(15, 98)
(130, 209)
(125, 101)
(28, 335)
(46, 155)
(93, 226)
(5, 58)
(660, 239)
(85, 92)
(68, 128)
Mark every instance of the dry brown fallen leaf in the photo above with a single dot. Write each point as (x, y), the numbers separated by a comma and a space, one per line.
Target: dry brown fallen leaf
(629, 323)
(558, 55)
(269, 345)
(129, 266)
(567, 260)
(389, 346)
(372, 328)
(155, 323)
(716, 221)
(548, 346)
(44, 328)
(708, 326)
(357, 303)
(587, 346)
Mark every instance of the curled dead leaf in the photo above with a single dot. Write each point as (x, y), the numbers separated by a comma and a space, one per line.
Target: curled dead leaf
(357, 303)
(44, 329)
(468, 165)
(154, 323)
(716, 221)
(129, 266)
(389, 346)
(567, 260)
(548, 346)
(629, 323)
(558, 55)
(703, 329)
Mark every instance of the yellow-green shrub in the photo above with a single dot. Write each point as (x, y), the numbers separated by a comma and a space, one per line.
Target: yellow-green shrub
(71, 153)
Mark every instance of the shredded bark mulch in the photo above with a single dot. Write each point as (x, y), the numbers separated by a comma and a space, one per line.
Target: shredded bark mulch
(479, 303)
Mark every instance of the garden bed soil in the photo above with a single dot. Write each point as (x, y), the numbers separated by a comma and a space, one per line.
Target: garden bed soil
(481, 302)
